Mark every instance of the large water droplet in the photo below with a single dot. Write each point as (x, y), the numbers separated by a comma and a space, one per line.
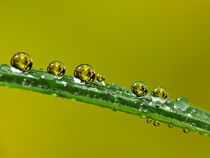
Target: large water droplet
(57, 69)
(181, 103)
(159, 95)
(85, 73)
(139, 89)
(21, 62)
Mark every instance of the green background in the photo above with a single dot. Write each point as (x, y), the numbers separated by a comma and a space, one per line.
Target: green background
(163, 43)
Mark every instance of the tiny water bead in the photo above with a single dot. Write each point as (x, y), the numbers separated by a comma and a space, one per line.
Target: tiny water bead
(156, 123)
(149, 120)
(56, 68)
(100, 77)
(170, 125)
(159, 94)
(139, 89)
(185, 130)
(85, 73)
(21, 61)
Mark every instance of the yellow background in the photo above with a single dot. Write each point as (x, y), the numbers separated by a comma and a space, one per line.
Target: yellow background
(162, 42)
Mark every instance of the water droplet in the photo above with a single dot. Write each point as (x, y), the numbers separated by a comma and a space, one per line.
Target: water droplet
(181, 103)
(21, 61)
(139, 89)
(85, 73)
(149, 120)
(100, 77)
(185, 130)
(56, 68)
(156, 123)
(170, 125)
(159, 95)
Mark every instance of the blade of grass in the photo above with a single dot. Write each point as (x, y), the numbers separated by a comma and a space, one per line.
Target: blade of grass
(108, 95)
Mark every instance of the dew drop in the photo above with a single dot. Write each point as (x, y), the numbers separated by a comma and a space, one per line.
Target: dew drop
(85, 73)
(170, 125)
(149, 120)
(156, 123)
(139, 88)
(21, 62)
(159, 95)
(100, 77)
(185, 130)
(181, 103)
(56, 68)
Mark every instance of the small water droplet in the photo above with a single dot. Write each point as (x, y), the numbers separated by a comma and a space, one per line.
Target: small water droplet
(57, 69)
(21, 61)
(139, 88)
(149, 120)
(100, 77)
(186, 130)
(85, 73)
(156, 123)
(170, 125)
(159, 95)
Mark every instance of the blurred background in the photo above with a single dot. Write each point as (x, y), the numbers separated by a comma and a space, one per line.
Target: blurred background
(161, 42)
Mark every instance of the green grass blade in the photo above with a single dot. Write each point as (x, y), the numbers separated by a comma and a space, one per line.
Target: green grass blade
(110, 96)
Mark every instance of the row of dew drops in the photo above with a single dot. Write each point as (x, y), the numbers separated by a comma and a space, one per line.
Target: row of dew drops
(84, 73)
